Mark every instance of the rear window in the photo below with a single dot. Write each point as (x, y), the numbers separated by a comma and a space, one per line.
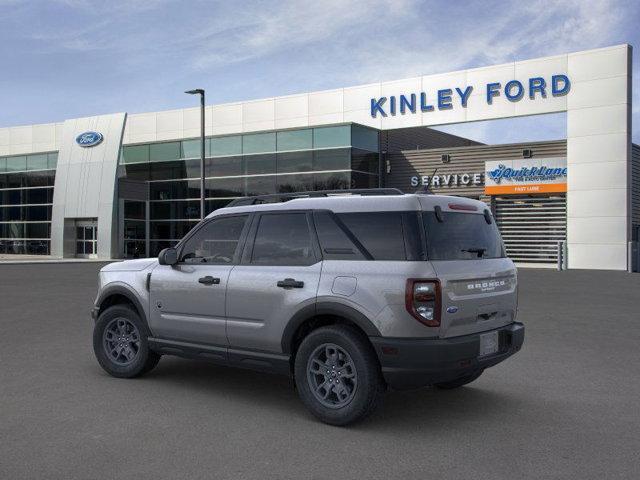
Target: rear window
(369, 235)
(461, 236)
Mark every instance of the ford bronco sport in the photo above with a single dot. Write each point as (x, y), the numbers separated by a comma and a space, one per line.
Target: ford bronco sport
(347, 293)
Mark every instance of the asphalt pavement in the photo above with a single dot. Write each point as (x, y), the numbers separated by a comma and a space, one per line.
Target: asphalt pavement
(566, 407)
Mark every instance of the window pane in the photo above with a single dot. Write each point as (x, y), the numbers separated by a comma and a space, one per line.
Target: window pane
(134, 229)
(325, 137)
(170, 230)
(223, 146)
(135, 154)
(164, 151)
(295, 183)
(334, 241)
(37, 213)
(332, 181)
(37, 230)
(138, 171)
(261, 185)
(364, 138)
(461, 236)
(52, 160)
(16, 164)
(191, 148)
(283, 239)
(175, 170)
(295, 162)
(224, 166)
(3, 165)
(364, 180)
(295, 140)
(364, 161)
(180, 189)
(134, 249)
(224, 187)
(216, 242)
(379, 232)
(256, 164)
(37, 162)
(339, 159)
(259, 143)
(37, 247)
(38, 179)
(174, 210)
(134, 210)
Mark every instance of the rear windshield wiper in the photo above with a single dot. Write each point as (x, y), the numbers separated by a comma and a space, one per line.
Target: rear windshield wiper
(479, 251)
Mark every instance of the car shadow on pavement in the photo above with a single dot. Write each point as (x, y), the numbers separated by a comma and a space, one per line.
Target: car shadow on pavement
(400, 410)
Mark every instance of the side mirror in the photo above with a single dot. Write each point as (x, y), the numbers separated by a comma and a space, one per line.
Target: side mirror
(168, 256)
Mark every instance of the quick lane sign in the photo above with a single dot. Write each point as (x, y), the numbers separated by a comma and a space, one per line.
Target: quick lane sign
(541, 175)
(445, 99)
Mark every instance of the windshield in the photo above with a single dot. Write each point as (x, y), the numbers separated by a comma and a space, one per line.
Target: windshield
(461, 236)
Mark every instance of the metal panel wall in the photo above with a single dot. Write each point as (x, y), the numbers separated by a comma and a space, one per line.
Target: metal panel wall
(532, 226)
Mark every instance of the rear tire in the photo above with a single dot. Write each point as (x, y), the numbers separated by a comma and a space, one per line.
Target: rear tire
(337, 375)
(120, 343)
(459, 382)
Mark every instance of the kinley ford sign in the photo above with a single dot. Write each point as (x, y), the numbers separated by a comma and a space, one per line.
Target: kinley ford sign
(445, 99)
(503, 177)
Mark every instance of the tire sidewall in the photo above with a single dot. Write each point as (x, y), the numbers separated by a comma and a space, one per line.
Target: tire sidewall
(138, 366)
(368, 375)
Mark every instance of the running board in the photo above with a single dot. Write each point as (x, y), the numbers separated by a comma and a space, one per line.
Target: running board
(221, 355)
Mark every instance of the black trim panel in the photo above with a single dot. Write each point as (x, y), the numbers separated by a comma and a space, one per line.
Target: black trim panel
(125, 292)
(326, 308)
(222, 355)
(415, 362)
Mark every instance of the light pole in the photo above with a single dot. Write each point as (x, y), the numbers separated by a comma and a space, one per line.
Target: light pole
(200, 91)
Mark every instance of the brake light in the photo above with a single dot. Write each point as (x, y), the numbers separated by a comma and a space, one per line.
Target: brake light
(422, 299)
(461, 206)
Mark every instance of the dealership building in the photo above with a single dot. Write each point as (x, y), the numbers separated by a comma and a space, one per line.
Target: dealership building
(127, 185)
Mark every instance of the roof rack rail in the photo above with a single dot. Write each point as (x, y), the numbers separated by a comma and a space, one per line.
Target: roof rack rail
(285, 197)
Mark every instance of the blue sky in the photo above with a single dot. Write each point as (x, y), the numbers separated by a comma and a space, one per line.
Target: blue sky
(72, 58)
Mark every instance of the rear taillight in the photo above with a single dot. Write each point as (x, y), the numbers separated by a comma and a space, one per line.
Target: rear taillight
(422, 298)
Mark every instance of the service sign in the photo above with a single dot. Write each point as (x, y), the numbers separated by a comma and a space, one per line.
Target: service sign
(526, 175)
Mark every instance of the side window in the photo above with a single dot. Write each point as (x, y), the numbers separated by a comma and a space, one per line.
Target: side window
(216, 242)
(334, 241)
(283, 239)
(381, 233)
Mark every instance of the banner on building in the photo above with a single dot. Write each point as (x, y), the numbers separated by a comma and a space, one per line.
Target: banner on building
(526, 175)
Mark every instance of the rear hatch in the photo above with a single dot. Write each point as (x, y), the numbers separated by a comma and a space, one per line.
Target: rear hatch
(478, 283)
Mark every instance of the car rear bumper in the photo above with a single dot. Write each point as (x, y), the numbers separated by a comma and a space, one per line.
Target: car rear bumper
(411, 363)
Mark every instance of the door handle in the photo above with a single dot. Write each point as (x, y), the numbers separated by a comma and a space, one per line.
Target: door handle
(209, 280)
(290, 283)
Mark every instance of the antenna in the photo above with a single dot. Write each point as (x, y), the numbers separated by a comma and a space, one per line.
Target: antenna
(426, 189)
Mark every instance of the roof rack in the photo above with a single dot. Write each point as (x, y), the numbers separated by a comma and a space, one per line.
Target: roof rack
(285, 197)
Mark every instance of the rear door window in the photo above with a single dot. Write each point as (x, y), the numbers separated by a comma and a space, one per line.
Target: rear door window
(283, 239)
(383, 234)
(461, 236)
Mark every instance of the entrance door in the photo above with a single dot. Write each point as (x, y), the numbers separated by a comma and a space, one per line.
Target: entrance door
(187, 300)
(532, 226)
(279, 275)
(87, 238)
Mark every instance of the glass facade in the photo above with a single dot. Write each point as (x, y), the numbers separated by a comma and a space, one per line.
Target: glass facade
(26, 197)
(318, 158)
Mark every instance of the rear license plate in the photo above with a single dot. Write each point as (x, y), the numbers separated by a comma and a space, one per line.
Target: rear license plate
(488, 343)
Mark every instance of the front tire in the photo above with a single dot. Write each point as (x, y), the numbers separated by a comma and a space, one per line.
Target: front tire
(337, 375)
(120, 343)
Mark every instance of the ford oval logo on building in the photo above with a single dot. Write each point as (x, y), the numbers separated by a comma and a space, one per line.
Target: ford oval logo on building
(89, 139)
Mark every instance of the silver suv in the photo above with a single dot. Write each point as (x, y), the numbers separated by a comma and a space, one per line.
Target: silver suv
(348, 294)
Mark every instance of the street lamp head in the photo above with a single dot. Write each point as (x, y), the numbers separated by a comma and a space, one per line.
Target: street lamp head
(197, 91)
